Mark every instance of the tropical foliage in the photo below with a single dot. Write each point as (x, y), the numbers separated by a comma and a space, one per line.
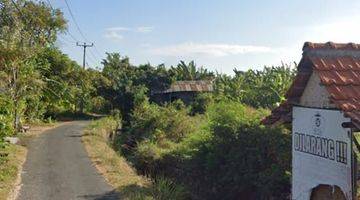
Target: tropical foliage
(26, 28)
(38, 81)
(214, 148)
(260, 88)
(188, 72)
(223, 154)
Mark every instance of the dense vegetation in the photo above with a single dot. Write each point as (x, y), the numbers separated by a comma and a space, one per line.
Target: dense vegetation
(215, 148)
(223, 154)
(37, 81)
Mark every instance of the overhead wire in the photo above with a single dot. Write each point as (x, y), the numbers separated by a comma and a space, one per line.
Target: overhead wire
(75, 22)
(67, 31)
(81, 33)
(92, 56)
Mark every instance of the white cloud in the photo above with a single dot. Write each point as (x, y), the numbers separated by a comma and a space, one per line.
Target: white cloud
(115, 33)
(214, 49)
(118, 29)
(144, 29)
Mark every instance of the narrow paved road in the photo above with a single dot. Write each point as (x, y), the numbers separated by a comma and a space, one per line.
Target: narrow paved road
(57, 167)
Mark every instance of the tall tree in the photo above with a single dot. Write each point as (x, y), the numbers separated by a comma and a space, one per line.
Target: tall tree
(26, 27)
(187, 72)
(124, 82)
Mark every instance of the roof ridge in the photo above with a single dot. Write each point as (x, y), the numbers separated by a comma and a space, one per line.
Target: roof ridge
(331, 45)
(331, 49)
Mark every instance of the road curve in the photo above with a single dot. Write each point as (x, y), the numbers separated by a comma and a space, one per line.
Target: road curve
(58, 168)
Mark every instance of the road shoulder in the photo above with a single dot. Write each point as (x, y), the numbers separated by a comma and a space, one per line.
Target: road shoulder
(11, 166)
(112, 166)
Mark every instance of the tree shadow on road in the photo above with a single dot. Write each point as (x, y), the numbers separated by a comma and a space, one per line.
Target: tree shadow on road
(112, 195)
(133, 191)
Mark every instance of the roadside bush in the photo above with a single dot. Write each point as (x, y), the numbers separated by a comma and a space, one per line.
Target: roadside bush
(6, 120)
(158, 124)
(202, 101)
(165, 189)
(240, 158)
(223, 154)
(105, 126)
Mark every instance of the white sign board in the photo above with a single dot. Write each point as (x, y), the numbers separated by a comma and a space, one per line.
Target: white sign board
(321, 150)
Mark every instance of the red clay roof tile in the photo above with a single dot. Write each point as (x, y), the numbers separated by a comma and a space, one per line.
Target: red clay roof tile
(331, 45)
(338, 67)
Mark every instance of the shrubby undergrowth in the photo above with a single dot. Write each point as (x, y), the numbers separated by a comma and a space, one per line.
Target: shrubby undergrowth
(215, 148)
(222, 154)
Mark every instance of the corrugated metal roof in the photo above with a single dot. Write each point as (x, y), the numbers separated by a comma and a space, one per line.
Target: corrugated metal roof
(338, 67)
(189, 86)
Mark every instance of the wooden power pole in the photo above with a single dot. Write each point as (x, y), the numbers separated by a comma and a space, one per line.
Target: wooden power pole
(84, 45)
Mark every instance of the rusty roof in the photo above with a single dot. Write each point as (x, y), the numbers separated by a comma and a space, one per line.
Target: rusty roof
(338, 67)
(189, 86)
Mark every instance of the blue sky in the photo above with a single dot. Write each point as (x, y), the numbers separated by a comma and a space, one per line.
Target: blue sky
(219, 35)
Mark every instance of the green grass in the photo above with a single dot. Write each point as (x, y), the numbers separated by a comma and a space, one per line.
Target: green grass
(119, 173)
(9, 168)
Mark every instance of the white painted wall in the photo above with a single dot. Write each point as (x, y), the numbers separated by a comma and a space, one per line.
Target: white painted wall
(315, 95)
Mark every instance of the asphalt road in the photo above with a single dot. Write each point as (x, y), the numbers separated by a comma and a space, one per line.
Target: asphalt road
(57, 167)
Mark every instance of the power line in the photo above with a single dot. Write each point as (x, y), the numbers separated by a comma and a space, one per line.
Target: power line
(67, 31)
(65, 39)
(71, 35)
(92, 54)
(97, 51)
(75, 22)
(81, 33)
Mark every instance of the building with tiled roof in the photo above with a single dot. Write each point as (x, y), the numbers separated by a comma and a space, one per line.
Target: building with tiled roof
(184, 90)
(328, 77)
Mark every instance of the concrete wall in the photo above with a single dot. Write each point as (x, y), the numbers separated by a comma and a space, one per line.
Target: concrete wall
(315, 95)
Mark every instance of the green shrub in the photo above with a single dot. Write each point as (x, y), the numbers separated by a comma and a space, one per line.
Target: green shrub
(6, 119)
(241, 159)
(106, 125)
(202, 101)
(232, 157)
(165, 189)
(158, 124)
(223, 154)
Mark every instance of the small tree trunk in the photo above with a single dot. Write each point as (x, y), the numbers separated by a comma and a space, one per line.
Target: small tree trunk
(15, 100)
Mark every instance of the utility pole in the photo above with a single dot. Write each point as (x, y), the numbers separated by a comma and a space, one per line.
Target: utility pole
(84, 45)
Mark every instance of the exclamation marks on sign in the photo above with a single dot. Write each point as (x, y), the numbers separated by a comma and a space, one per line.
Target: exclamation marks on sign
(341, 152)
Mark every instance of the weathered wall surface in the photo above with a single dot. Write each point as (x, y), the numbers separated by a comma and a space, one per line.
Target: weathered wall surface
(315, 95)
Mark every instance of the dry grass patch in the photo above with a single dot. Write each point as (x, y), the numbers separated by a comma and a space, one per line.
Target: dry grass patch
(11, 165)
(111, 165)
(10, 168)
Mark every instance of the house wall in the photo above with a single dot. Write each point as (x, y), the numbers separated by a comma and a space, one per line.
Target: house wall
(315, 95)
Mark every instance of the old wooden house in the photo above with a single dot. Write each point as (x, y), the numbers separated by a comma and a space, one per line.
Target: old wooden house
(183, 90)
